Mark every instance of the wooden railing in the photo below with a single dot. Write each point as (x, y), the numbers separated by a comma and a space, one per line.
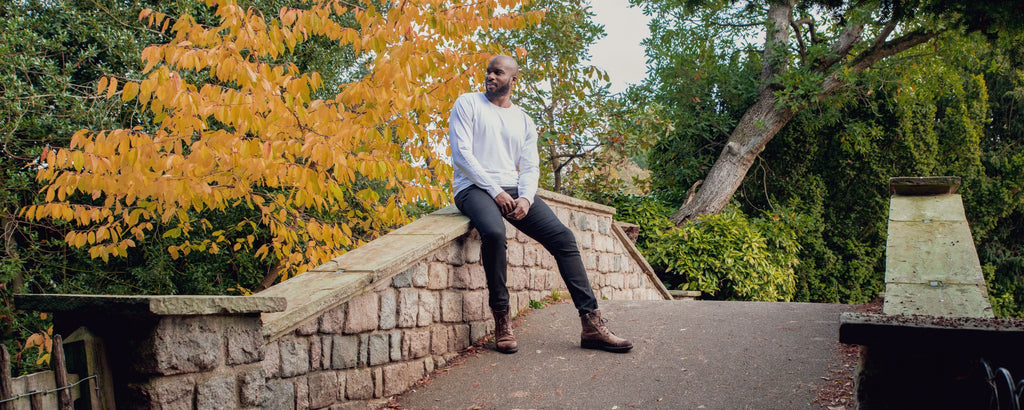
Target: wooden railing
(51, 389)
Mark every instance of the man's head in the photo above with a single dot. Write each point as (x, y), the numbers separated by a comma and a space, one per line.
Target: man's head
(502, 71)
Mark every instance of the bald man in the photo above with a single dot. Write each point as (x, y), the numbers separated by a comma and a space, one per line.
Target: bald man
(494, 150)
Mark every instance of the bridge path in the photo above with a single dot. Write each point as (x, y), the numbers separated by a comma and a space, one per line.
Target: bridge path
(687, 355)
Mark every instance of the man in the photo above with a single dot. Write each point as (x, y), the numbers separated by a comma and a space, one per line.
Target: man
(494, 149)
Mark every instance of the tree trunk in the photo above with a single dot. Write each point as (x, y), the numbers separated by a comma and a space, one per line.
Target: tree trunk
(759, 124)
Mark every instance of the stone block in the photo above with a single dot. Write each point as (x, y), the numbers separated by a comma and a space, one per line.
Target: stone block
(345, 352)
(250, 385)
(480, 329)
(451, 305)
(278, 394)
(616, 280)
(585, 240)
(182, 344)
(438, 276)
(416, 343)
(428, 365)
(294, 356)
(359, 384)
(460, 336)
(420, 278)
(582, 221)
(563, 215)
(388, 309)
(454, 253)
(362, 313)
(308, 328)
(617, 263)
(461, 277)
(172, 393)
(530, 254)
(324, 389)
(271, 361)
(316, 354)
(301, 392)
(471, 250)
(380, 349)
(522, 237)
(538, 279)
(396, 345)
(400, 376)
(604, 243)
(604, 225)
(326, 347)
(510, 231)
(438, 339)
(378, 382)
(364, 350)
(217, 393)
(333, 321)
(427, 306)
(547, 261)
(404, 279)
(590, 260)
(408, 307)
(473, 305)
(515, 254)
(244, 343)
(518, 278)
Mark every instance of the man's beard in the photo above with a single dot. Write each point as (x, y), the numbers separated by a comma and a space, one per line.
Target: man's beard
(501, 91)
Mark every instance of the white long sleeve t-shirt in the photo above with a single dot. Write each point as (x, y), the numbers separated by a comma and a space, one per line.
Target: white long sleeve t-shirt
(493, 147)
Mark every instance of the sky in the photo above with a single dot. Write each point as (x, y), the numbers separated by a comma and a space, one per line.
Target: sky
(619, 53)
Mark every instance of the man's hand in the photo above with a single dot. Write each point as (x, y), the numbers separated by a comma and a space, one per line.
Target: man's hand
(505, 203)
(522, 207)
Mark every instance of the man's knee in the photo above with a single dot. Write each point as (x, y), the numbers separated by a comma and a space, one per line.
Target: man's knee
(492, 234)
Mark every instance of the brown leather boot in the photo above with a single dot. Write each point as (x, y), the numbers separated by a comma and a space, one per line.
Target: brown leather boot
(504, 340)
(597, 336)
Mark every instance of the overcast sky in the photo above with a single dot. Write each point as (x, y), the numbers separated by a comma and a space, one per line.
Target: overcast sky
(619, 52)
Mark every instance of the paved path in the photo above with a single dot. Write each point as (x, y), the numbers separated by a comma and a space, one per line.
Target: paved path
(687, 355)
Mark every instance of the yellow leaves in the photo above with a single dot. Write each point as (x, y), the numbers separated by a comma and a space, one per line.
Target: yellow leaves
(253, 135)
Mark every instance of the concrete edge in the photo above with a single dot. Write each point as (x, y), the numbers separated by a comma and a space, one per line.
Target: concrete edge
(279, 324)
(158, 305)
(551, 196)
(640, 260)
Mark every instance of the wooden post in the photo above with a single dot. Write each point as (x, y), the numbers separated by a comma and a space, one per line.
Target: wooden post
(60, 374)
(6, 391)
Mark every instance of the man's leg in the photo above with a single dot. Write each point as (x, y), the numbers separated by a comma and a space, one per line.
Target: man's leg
(486, 217)
(542, 225)
(484, 214)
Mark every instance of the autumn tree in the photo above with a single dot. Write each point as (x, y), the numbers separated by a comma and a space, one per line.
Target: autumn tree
(237, 125)
(810, 49)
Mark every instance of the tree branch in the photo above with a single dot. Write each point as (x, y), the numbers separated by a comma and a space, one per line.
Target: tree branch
(777, 35)
(872, 55)
(849, 37)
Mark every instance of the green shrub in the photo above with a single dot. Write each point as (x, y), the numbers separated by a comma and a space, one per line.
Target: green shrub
(730, 256)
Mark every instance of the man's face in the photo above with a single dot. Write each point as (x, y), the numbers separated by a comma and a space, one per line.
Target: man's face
(500, 76)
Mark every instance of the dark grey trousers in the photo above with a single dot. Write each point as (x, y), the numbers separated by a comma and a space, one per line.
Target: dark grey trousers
(542, 225)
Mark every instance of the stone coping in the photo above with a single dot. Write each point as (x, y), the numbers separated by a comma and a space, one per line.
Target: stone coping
(937, 185)
(164, 305)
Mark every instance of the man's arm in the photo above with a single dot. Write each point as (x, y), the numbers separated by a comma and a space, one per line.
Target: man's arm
(529, 172)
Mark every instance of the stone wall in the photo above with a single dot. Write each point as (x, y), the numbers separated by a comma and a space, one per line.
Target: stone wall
(386, 336)
(362, 327)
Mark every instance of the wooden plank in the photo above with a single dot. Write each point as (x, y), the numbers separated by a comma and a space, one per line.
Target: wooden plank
(60, 374)
(6, 391)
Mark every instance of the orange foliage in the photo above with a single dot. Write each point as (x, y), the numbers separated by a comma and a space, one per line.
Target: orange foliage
(254, 129)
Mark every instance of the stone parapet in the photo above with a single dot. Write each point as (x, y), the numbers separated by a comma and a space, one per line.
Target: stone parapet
(364, 326)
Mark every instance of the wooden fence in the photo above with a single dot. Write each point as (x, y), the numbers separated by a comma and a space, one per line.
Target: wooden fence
(52, 389)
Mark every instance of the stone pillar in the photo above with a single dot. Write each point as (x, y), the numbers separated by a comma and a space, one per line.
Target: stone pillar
(170, 351)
